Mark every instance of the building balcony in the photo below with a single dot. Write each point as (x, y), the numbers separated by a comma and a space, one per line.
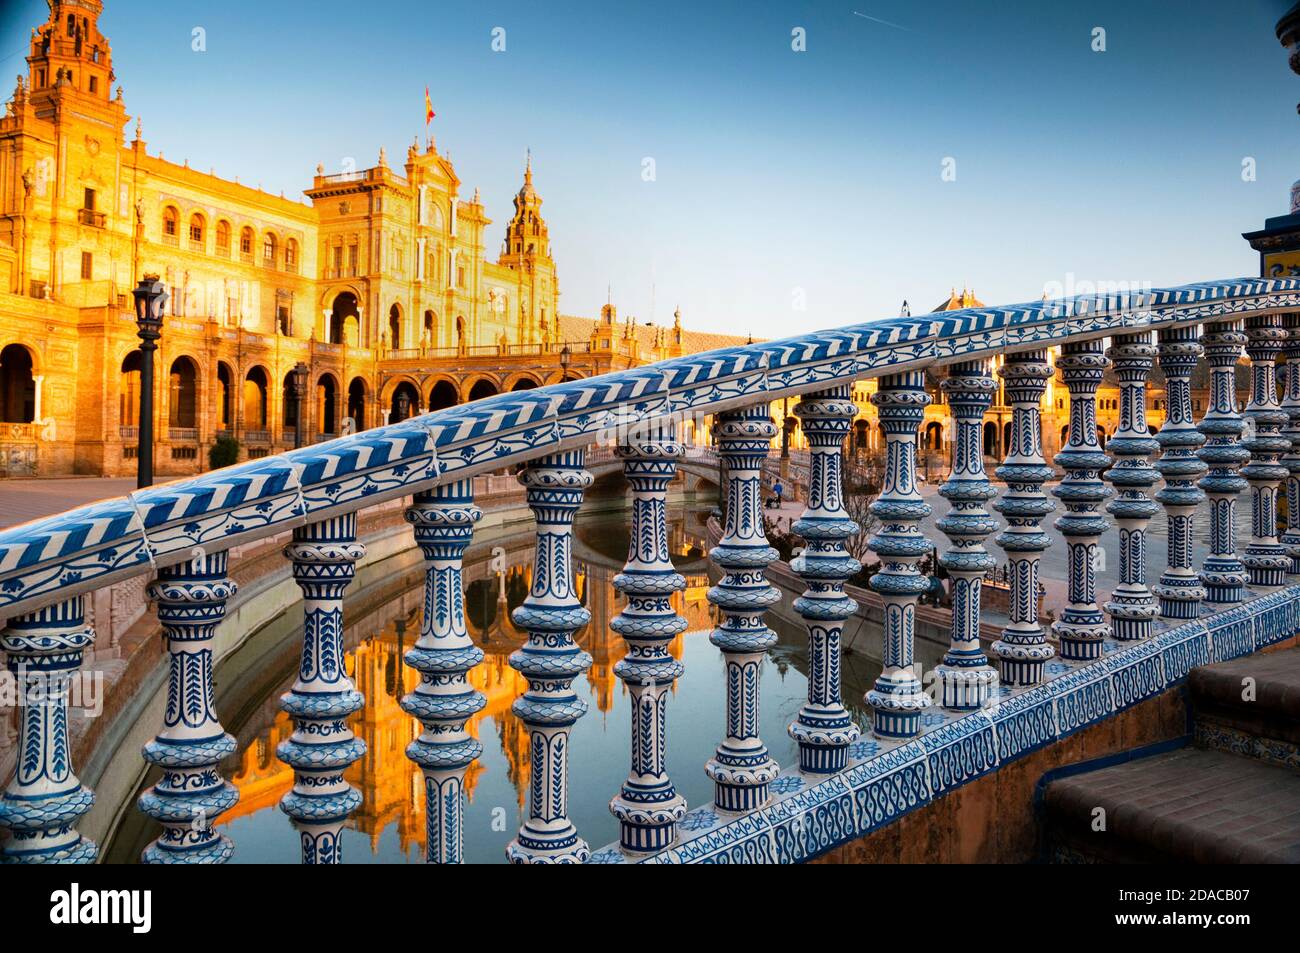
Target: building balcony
(182, 433)
(172, 240)
(16, 431)
(257, 436)
(88, 216)
(128, 433)
(222, 252)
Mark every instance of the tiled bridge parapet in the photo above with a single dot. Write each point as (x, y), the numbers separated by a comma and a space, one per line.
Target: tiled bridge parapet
(918, 750)
(884, 781)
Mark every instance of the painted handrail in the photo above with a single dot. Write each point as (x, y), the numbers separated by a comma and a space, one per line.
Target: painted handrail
(92, 546)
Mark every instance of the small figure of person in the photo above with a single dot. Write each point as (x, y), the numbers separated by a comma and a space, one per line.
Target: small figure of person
(779, 490)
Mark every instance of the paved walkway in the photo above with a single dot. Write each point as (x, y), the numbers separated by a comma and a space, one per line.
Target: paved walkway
(23, 500)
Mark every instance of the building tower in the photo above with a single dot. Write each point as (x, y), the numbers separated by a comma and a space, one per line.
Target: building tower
(527, 251)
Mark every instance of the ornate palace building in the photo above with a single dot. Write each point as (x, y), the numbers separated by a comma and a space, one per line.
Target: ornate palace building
(380, 283)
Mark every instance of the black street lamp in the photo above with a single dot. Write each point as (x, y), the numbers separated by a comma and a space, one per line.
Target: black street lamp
(300, 372)
(400, 405)
(566, 358)
(150, 300)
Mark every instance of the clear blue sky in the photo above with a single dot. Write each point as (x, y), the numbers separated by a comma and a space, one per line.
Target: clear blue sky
(776, 170)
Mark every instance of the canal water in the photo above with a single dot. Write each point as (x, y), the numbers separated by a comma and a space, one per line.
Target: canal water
(389, 825)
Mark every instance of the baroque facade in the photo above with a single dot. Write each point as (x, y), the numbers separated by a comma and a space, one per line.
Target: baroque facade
(380, 283)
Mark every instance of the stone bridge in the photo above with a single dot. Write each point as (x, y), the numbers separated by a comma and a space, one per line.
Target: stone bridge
(1098, 662)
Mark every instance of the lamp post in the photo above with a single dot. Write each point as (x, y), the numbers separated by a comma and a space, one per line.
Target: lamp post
(300, 372)
(566, 358)
(150, 299)
(400, 404)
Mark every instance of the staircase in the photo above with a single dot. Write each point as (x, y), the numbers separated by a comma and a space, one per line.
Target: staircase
(1229, 794)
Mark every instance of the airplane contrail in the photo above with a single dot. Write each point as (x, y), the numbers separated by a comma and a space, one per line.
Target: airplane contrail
(896, 26)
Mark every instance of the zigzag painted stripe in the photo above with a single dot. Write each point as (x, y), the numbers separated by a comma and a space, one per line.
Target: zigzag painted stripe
(86, 548)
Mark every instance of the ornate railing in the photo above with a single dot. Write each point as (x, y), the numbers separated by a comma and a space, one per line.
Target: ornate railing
(179, 534)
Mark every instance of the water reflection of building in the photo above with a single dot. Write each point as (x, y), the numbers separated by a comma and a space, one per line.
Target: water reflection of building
(390, 785)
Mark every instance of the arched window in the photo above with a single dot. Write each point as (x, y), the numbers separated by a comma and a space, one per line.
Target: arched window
(395, 327)
(182, 404)
(129, 396)
(291, 255)
(357, 403)
(255, 384)
(268, 250)
(196, 229)
(223, 238)
(289, 403)
(223, 396)
(170, 222)
(17, 386)
(246, 242)
(327, 396)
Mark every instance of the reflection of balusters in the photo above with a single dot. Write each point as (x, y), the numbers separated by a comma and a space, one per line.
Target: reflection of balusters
(44, 798)
(443, 522)
(897, 698)
(965, 675)
(823, 728)
(1132, 605)
(648, 807)
(1265, 559)
(1081, 627)
(551, 660)
(1180, 588)
(1291, 404)
(322, 745)
(741, 768)
(1223, 574)
(191, 598)
(1023, 649)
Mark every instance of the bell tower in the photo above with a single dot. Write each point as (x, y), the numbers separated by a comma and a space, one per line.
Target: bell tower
(69, 57)
(527, 252)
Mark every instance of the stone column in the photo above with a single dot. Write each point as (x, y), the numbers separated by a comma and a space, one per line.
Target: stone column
(823, 728)
(1266, 560)
(1023, 648)
(1222, 573)
(1291, 460)
(551, 660)
(648, 807)
(897, 698)
(44, 798)
(1132, 605)
(443, 522)
(1180, 590)
(965, 677)
(191, 599)
(322, 745)
(1082, 627)
(741, 768)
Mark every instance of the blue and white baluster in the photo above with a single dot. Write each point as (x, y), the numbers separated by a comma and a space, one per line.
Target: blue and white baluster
(443, 523)
(322, 745)
(1023, 649)
(44, 799)
(823, 728)
(741, 768)
(1082, 628)
(648, 807)
(191, 599)
(1223, 574)
(1180, 590)
(897, 698)
(1291, 460)
(1266, 559)
(1132, 606)
(550, 661)
(965, 676)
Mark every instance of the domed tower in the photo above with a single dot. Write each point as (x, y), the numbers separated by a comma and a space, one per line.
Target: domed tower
(527, 251)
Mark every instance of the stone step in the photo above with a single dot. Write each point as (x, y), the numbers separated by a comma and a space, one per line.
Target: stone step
(1250, 707)
(1188, 805)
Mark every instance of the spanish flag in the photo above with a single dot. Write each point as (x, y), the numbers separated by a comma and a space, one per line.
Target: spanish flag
(428, 107)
